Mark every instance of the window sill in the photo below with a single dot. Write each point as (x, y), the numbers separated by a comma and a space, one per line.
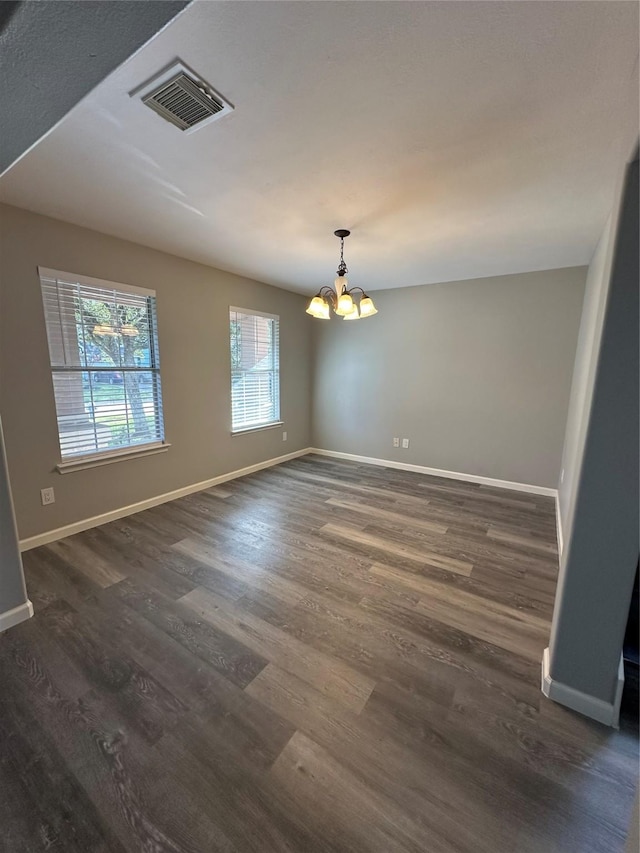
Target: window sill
(108, 458)
(257, 428)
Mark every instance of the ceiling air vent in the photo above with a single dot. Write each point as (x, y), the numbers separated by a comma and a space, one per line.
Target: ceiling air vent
(182, 98)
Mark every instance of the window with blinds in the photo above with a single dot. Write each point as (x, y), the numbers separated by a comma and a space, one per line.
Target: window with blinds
(103, 347)
(255, 369)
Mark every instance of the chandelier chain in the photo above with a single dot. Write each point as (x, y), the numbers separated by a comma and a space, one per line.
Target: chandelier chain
(342, 267)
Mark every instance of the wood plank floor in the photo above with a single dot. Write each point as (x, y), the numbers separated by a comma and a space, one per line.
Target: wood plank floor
(322, 656)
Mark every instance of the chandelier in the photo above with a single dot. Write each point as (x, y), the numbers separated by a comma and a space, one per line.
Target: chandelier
(341, 299)
(108, 330)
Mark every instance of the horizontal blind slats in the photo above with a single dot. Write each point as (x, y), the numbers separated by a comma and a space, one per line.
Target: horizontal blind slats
(255, 382)
(104, 358)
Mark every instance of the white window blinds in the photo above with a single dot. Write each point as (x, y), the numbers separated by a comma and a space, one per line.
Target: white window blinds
(255, 369)
(103, 347)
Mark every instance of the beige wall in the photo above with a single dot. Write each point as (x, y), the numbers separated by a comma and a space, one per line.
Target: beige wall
(193, 324)
(475, 373)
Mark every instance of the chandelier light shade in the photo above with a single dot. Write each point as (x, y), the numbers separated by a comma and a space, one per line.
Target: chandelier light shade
(318, 308)
(345, 304)
(341, 299)
(367, 308)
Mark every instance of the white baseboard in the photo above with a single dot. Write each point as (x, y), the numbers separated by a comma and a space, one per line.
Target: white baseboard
(16, 615)
(559, 533)
(121, 512)
(604, 712)
(438, 472)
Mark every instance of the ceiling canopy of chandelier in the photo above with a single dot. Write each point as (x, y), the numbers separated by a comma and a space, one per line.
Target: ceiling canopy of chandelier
(341, 299)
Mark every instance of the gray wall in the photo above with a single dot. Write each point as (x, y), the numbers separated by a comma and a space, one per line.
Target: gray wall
(12, 589)
(601, 542)
(193, 323)
(595, 296)
(475, 373)
(52, 54)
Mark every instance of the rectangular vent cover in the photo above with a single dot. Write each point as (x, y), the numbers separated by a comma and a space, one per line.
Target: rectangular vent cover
(182, 99)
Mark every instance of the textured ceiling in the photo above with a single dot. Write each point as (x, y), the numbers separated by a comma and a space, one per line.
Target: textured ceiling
(52, 54)
(454, 139)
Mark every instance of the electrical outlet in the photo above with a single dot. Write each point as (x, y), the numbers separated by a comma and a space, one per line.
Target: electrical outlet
(405, 443)
(396, 442)
(47, 496)
(284, 435)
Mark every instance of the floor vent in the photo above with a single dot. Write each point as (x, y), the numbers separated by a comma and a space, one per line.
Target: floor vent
(183, 99)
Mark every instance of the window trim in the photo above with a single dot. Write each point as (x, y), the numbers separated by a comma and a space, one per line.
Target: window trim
(268, 424)
(255, 313)
(94, 459)
(244, 430)
(108, 457)
(102, 283)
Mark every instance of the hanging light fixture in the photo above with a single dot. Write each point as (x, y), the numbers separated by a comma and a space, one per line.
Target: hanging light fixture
(341, 299)
(106, 330)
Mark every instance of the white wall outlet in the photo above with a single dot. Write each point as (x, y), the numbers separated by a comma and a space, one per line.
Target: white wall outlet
(405, 443)
(47, 496)
(396, 442)
(284, 435)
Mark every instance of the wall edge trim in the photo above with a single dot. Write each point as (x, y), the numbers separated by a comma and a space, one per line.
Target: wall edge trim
(122, 512)
(439, 472)
(559, 533)
(607, 713)
(16, 615)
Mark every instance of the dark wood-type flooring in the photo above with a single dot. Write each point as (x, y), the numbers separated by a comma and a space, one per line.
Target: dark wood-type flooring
(322, 656)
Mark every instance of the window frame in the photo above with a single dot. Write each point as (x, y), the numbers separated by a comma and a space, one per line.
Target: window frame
(92, 458)
(274, 371)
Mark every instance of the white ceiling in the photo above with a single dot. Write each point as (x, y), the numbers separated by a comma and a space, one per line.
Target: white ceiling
(456, 140)
(45, 44)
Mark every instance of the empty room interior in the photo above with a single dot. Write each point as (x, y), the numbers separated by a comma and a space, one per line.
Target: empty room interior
(274, 584)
